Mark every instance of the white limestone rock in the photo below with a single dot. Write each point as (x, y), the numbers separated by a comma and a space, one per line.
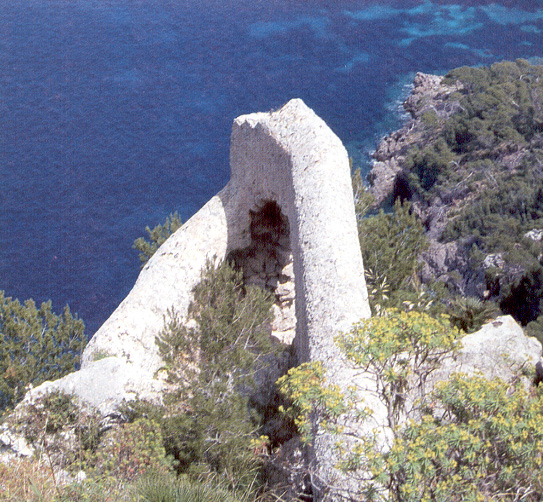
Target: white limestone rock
(535, 235)
(289, 157)
(13, 445)
(500, 349)
(287, 163)
(103, 384)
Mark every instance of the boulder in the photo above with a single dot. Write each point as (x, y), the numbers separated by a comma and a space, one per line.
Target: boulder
(104, 384)
(500, 349)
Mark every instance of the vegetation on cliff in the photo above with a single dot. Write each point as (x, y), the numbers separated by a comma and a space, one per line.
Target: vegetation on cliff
(206, 433)
(469, 439)
(156, 237)
(471, 165)
(35, 345)
(209, 425)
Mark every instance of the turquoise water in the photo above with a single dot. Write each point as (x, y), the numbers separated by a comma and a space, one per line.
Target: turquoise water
(116, 113)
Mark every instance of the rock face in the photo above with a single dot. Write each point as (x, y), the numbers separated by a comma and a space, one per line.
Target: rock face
(287, 217)
(287, 212)
(386, 176)
(500, 349)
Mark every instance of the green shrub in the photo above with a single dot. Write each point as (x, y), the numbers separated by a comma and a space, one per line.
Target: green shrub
(400, 350)
(391, 242)
(477, 439)
(498, 105)
(35, 345)
(96, 490)
(128, 451)
(61, 429)
(469, 313)
(157, 236)
(49, 414)
(487, 444)
(535, 329)
(159, 488)
(209, 425)
(429, 164)
(311, 398)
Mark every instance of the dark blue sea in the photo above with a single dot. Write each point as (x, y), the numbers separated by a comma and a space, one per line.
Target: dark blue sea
(114, 113)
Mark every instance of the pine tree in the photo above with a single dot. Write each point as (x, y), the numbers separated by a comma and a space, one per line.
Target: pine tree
(35, 345)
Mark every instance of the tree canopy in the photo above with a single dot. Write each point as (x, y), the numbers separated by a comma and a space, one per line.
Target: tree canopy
(35, 345)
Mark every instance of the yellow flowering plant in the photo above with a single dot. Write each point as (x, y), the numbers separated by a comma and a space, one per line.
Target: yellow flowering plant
(481, 440)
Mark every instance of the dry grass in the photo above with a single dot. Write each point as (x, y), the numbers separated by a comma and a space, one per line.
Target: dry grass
(30, 480)
(27, 480)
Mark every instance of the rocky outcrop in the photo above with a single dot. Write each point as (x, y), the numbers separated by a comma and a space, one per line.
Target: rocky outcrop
(288, 170)
(500, 349)
(472, 173)
(287, 218)
(387, 175)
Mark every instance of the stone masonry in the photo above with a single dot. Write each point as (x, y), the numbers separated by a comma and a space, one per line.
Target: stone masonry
(286, 166)
(287, 217)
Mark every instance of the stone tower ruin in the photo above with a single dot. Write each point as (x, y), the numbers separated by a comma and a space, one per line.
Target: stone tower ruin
(287, 211)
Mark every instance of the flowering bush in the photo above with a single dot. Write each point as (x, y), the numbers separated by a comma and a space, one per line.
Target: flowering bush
(488, 443)
(481, 440)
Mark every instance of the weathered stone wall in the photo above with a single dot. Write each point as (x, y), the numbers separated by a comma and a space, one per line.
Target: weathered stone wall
(287, 215)
(288, 157)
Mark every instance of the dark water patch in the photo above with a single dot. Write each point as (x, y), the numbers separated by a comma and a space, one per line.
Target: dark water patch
(115, 113)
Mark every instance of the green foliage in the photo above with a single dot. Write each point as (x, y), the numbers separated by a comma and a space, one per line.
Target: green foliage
(96, 490)
(362, 197)
(209, 426)
(157, 236)
(160, 488)
(391, 243)
(499, 104)
(497, 111)
(479, 155)
(231, 334)
(428, 164)
(535, 329)
(502, 213)
(400, 349)
(469, 313)
(100, 354)
(488, 443)
(128, 451)
(475, 440)
(496, 222)
(311, 399)
(35, 345)
(51, 414)
(61, 429)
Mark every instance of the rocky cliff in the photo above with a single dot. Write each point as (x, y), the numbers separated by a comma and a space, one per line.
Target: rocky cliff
(469, 160)
(287, 219)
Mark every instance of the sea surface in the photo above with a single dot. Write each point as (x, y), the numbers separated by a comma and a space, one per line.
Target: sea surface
(115, 113)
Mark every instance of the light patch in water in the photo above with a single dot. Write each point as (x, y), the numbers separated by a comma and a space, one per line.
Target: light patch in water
(500, 14)
(530, 28)
(445, 20)
(359, 58)
(264, 29)
(483, 53)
